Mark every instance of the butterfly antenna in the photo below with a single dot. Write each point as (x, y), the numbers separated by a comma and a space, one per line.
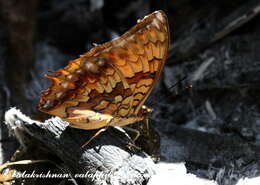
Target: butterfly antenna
(174, 85)
(189, 86)
(177, 83)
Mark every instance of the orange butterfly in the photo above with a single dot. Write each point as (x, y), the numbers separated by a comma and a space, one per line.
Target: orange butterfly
(109, 84)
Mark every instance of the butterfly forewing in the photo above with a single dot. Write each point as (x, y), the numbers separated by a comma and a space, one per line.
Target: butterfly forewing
(110, 83)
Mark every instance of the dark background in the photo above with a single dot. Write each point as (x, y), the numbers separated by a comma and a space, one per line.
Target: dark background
(214, 127)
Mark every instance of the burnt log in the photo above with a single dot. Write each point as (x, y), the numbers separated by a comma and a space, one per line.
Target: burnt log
(207, 24)
(109, 154)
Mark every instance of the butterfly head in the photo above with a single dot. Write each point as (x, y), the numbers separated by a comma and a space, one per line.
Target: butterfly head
(145, 111)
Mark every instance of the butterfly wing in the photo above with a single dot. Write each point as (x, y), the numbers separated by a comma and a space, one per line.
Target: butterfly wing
(110, 83)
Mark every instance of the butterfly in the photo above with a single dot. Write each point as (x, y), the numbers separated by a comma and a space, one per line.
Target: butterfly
(108, 85)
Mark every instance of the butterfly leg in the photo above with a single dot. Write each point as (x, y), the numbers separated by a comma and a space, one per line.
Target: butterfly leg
(97, 133)
(131, 145)
(94, 136)
(135, 131)
(139, 129)
(149, 139)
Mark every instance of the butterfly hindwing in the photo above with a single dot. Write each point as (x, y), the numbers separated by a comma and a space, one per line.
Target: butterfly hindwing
(110, 83)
